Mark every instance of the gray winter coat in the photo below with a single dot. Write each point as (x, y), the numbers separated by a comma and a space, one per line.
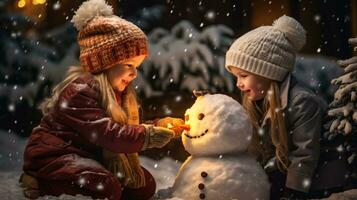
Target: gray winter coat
(304, 112)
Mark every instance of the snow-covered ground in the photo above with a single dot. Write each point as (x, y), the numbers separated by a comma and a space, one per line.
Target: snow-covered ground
(164, 171)
(11, 152)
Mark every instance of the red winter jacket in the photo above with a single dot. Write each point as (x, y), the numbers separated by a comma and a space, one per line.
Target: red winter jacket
(79, 125)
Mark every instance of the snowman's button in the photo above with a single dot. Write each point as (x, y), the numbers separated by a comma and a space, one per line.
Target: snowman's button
(202, 196)
(204, 174)
(201, 186)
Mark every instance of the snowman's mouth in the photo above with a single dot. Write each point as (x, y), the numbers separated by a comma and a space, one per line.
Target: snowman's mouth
(196, 136)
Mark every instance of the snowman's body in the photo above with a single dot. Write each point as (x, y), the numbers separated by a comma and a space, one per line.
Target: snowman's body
(219, 167)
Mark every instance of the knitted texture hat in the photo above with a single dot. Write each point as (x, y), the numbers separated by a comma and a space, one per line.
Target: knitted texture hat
(268, 51)
(106, 39)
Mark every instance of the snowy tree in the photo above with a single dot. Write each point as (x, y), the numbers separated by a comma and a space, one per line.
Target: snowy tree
(344, 105)
(183, 59)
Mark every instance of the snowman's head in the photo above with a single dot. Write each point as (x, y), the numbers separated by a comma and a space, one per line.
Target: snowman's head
(218, 125)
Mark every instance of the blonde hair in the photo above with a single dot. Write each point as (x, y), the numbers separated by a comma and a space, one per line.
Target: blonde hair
(126, 113)
(278, 135)
(119, 113)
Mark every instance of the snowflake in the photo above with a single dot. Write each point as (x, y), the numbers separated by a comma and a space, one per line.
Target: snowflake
(56, 6)
(318, 50)
(249, 138)
(94, 136)
(11, 107)
(120, 175)
(100, 186)
(306, 183)
(178, 98)
(64, 104)
(81, 181)
(339, 148)
(317, 18)
(156, 165)
(261, 131)
(210, 15)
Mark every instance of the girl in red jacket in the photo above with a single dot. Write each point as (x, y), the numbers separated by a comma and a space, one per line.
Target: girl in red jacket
(89, 137)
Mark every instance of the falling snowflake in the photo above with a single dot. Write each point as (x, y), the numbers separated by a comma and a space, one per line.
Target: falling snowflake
(306, 183)
(81, 181)
(64, 104)
(339, 148)
(317, 18)
(210, 15)
(56, 6)
(100, 186)
(11, 107)
(178, 98)
(94, 136)
(120, 175)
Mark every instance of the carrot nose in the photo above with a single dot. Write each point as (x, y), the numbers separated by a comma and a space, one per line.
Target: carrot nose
(185, 127)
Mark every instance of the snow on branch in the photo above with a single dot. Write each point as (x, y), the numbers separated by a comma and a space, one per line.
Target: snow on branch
(344, 107)
(185, 58)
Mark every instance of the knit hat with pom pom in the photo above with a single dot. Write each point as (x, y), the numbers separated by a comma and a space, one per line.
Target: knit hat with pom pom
(105, 39)
(268, 51)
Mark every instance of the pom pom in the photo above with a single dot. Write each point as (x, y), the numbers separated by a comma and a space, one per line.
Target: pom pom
(89, 10)
(292, 30)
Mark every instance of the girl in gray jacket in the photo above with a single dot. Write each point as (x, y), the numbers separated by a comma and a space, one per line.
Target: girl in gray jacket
(287, 118)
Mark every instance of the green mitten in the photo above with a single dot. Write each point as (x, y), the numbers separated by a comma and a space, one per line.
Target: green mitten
(157, 137)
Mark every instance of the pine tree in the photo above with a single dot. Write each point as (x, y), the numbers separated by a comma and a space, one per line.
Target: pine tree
(344, 106)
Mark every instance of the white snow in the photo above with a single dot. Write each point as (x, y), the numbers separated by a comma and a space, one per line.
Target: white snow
(219, 167)
(225, 123)
(11, 153)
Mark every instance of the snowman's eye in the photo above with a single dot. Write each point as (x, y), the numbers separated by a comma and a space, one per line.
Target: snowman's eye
(187, 117)
(201, 116)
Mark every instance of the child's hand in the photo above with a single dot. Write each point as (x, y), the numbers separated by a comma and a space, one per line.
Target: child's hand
(157, 136)
(173, 124)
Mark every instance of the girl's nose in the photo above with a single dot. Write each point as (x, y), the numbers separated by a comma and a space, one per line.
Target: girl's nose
(133, 74)
(239, 84)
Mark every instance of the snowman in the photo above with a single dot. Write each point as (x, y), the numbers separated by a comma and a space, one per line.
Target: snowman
(219, 167)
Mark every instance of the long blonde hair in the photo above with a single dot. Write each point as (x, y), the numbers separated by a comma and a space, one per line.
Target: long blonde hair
(127, 113)
(119, 113)
(278, 135)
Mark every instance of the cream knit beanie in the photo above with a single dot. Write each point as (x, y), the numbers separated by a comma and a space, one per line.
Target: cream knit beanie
(268, 51)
